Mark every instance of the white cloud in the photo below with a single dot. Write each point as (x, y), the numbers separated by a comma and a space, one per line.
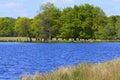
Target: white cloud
(11, 5)
(13, 8)
(27, 7)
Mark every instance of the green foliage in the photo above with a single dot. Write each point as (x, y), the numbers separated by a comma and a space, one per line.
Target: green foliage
(67, 19)
(37, 29)
(49, 17)
(22, 27)
(81, 21)
(7, 26)
(117, 26)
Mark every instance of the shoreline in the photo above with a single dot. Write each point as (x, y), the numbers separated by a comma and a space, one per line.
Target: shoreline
(108, 70)
(25, 39)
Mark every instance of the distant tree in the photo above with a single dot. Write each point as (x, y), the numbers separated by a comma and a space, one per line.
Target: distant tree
(22, 27)
(85, 16)
(37, 29)
(49, 16)
(7, 26)
(117, 27)
(67, 19)
(109, 31)
(99, 21)
(82, 21)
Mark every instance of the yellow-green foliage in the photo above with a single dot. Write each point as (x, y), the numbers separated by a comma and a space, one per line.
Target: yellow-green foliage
(101, 71)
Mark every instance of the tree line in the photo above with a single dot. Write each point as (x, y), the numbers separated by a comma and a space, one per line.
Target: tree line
(79, 22)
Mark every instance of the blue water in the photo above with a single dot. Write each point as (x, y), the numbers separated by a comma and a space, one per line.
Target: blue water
(17, 59)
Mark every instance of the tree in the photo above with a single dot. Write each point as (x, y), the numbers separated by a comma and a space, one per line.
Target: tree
(49, 16)
(37, 28)
(81, 21)
(109, 31)
(99, 22)
(67, 20)
(7, 26)
(117, 26)
(71, 23)
(22, 27)
(85, 16)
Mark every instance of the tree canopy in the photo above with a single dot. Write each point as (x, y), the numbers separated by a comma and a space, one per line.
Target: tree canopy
(80, 21)
(22, 27)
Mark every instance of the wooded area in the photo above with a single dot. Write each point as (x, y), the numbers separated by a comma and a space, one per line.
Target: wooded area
(78, 22)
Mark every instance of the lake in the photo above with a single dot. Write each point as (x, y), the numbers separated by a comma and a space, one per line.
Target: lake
(16, 59)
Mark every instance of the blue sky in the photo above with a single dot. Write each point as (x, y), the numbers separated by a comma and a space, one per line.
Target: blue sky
(29, 8)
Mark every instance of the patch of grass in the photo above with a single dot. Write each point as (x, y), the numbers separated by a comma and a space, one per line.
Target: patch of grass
(101, 71)
(15, 39)
(54, 40)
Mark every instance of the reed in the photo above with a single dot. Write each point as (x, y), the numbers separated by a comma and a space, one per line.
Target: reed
(100, 71)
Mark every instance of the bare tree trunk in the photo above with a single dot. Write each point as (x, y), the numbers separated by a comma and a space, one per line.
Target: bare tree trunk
(30, 38)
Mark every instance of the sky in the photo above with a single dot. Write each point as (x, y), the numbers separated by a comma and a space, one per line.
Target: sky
(30, 8)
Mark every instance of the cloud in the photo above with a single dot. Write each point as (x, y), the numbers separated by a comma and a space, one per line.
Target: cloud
(7, 4)
(11, 5)
(13, 8)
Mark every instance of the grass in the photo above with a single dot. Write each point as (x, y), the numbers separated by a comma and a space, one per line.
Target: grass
(101, 71)
(14, 39)
(54, 40)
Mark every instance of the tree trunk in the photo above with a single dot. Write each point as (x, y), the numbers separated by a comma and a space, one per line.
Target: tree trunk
(75, 39)
(30, 38)
(45, 39)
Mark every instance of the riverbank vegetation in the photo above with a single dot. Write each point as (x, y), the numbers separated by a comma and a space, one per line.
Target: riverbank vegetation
(54, 40)
(79, 22)
(100, 71)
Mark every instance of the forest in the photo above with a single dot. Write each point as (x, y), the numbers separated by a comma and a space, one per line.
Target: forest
(78, 22)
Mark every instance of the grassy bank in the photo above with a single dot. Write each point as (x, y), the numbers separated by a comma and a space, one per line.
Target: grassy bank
(54, 40)
(102, 71)
(15, 39)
